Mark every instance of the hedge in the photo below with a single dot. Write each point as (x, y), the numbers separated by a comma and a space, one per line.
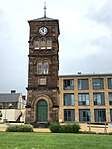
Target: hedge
(65, 128)
(20, 128)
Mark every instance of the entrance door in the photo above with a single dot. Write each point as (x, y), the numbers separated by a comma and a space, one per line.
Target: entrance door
(42, 111)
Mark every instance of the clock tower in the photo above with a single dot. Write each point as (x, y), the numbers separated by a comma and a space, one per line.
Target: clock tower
(42, 91)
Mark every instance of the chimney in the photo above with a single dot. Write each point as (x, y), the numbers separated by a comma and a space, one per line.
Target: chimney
(79, 73)
(13, 91)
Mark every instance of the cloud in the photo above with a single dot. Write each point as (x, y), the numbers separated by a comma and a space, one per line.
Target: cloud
(102, 15)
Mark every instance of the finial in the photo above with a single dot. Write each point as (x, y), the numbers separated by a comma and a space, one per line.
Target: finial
(45, 9)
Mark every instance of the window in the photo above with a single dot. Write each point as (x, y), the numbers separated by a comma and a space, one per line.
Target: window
(99, 99)
(39, 65)
(84, 115)
(100, 115)
(42, 67)
(49, 43)
(83, 84)
(110, 98)
(36, 43)
(98, 83)
(109, 83)
(69, 115)
(83, 99)
(68, 84)
(43, 43)
(111, 115)
(46, 67)
(68, 99)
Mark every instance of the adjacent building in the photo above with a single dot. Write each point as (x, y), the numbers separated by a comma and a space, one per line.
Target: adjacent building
(85, 98)
(12, 106)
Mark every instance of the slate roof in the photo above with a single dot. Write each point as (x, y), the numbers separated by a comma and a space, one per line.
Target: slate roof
(11, 97)
(44, 19)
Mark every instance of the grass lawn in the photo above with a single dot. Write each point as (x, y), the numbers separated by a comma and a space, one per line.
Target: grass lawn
(13, 140)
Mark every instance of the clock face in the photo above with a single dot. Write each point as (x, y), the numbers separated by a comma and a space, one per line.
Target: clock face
(43, 31)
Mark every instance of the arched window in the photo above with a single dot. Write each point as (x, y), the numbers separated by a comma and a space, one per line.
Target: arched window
(42, 67)
(43, 43)
(49, 43)
(36, 43)
(46, 67)
(39, 67)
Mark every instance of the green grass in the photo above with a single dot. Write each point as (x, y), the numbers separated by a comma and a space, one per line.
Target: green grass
(13, 140)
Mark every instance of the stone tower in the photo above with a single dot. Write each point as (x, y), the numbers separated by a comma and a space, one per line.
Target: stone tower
(42, 91)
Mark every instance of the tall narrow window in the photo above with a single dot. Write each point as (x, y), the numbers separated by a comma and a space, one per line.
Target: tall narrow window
(100, 115)
(49, 43)
(39, 68)
(111, 115)
(68, 99)
(46, 67)
(36, 43)
(84, 115)
(109, 83)
(110, 98)
(43, 43)
(69, 115)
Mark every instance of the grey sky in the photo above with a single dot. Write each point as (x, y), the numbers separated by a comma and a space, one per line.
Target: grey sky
(85, 37)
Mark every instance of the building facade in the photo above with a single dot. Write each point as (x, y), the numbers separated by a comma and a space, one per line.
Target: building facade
(43, 92)
(85, 98)
(12, 106)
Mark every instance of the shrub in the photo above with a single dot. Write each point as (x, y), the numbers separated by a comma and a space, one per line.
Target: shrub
(67, 128)
(20, 128)
(54, 127)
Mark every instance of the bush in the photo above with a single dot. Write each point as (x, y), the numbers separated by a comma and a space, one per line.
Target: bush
(67, 128)
(20, 128)
(54, 127)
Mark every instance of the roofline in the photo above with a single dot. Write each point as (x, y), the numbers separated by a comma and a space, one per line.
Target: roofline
(85, 75)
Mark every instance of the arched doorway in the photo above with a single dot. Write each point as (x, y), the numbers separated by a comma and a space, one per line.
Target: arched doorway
(42, 111)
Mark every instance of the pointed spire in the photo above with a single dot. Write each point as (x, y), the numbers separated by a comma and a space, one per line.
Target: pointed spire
(45, 9)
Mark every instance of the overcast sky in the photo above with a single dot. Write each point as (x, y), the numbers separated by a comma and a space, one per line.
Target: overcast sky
(85, 37)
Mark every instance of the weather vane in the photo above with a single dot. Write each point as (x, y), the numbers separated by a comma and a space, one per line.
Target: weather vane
(45, 9)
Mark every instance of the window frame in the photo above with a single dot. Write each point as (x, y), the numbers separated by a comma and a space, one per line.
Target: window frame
(98, 83)
(87, 115)
(71, 113)
(99, 101)
(110, 98)
(81, 97)
(109, 80)
(98, 115)
(69, 99)
(68, 84)
(83, 84)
